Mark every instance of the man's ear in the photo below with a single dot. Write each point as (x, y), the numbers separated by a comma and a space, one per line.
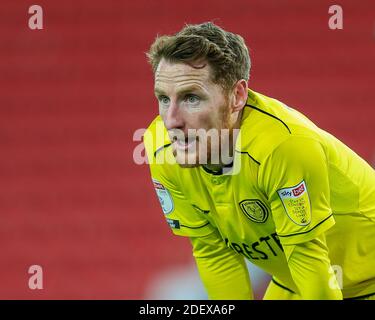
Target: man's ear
(239, 95)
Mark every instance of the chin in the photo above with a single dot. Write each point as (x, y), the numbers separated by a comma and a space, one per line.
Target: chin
(187, 160)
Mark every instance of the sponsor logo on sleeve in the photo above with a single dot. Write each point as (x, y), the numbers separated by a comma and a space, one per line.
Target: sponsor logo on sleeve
(164, 196)
(254, 209)
(296, 203)
(175, 224)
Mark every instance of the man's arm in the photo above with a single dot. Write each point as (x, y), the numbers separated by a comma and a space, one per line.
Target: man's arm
(311, 271)
(295, 176)
(223, 271)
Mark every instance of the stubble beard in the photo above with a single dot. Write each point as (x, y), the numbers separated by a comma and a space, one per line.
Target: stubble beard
(213, 156)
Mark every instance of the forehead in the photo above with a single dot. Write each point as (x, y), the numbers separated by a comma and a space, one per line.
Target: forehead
(178, 74)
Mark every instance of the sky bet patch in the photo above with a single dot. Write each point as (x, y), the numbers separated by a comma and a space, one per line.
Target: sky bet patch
(296, 203)
(164, 196)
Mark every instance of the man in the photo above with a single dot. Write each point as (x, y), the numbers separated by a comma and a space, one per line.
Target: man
(286, 195)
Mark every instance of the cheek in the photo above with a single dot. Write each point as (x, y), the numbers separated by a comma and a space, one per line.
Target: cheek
(162, 112)
(206, 120)
(162, 115)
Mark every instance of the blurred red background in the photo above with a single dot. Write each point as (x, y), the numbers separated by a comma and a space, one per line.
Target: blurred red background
(72, 200)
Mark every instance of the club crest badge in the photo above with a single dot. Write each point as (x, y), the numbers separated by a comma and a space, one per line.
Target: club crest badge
(296, 203)
(255, 210)
(164, 196)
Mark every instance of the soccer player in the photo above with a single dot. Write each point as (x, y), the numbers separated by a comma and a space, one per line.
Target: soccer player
(272, 187)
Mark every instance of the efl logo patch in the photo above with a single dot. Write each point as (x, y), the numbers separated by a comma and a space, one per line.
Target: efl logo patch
(255, 210)
(296, 203)
(164, 196)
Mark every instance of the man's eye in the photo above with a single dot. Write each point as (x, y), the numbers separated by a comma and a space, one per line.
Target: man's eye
(164, 100)
(192, 99)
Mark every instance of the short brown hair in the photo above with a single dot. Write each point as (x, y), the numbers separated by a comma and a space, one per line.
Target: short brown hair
(224, 51)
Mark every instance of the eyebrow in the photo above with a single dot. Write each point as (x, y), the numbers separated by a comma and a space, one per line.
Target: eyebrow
(180, 92)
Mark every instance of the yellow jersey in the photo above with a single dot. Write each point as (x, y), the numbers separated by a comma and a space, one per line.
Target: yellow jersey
(291, 182)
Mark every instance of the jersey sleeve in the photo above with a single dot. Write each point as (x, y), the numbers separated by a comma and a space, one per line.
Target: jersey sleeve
(295, 179)
(178, 211)
(311, 270)
(223, 271)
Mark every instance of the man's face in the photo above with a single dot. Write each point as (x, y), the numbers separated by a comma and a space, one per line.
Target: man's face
(191, 104)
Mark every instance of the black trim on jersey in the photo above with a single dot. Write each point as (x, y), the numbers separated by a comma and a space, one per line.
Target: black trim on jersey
(215, 173)
(161, 148)
(182, 225)
(248, 155)
(271, 115)
(281, 286)
(296, 234)
(361, 297)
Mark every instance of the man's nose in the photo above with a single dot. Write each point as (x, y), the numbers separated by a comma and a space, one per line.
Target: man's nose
(173, 117)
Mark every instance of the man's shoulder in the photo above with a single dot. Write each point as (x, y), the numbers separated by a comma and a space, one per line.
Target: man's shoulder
(267, 123)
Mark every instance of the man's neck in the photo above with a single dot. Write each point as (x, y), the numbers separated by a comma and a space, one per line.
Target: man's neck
(217, 168)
